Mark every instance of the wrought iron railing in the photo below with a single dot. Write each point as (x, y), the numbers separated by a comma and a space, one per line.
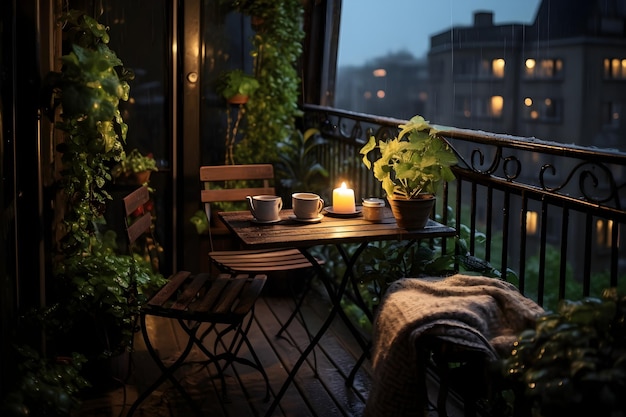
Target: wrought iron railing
(548, 216)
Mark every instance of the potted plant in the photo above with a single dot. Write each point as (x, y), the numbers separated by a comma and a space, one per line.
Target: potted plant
(411, 167)
(236, 86)
(134, 168)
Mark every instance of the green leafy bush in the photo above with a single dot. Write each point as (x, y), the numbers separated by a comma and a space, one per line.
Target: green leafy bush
(574, 361)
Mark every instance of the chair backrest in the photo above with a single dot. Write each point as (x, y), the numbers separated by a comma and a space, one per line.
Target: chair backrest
(233, 183)
(229, 175)
(138, 221)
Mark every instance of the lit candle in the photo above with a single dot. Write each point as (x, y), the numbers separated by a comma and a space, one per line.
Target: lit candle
(343, 199)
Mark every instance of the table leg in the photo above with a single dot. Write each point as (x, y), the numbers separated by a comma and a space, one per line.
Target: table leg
(349, 277)
(335, 297)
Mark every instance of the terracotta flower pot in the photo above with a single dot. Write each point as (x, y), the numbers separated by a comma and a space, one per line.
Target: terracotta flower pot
(141, 177)
(238, 99)
(413, 213)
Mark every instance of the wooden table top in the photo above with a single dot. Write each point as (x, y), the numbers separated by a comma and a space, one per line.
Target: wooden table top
(289, 232)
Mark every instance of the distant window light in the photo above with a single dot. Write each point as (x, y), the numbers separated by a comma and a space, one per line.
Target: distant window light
(486, 107)
(543, 68)
(380, 72)
(497, 67)
(367, 95)
(615, 68)
(496, 105)
(531, 222)
(380, 94)
(548, 110)
(489, 68)
(604, 231)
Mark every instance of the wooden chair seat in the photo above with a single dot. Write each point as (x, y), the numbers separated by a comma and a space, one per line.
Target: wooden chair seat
(260, 260)
(223, 299)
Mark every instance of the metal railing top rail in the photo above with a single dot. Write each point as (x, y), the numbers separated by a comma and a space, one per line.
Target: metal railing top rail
(477, 136)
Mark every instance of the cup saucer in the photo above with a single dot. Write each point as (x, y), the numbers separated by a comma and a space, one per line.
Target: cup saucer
(257, 221)
(311, 220)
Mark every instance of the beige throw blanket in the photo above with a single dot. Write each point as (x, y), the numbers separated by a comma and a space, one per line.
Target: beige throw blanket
(482, 313)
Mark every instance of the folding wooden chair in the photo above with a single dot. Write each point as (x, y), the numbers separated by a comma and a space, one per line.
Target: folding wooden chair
(219, 186)
(192, 300)
(257, 177)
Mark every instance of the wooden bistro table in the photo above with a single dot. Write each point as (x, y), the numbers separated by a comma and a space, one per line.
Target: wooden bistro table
(337, 230)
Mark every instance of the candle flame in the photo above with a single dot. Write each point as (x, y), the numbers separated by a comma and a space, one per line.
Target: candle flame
(343, 185)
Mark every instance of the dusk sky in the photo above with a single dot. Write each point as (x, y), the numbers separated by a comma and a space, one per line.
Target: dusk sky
(375, 28)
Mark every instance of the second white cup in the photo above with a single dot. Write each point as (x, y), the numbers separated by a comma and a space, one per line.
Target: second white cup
(265, 208)
(306, 205)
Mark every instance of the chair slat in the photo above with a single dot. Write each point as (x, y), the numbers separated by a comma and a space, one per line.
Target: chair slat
(213, 294)
(169, 289)
(233, 194)
(140, 226)
(136, 199)
(231, 295)
(239, 172)
(250, 294)
(190, 293)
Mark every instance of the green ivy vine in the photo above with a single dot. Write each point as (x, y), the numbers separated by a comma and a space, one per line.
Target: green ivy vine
(89, 87)
(273, 108)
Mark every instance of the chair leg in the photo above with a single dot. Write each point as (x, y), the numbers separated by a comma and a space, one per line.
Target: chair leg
(232, 350)
(422, 392)
(210, 355)
(257, 364)
(166, 372)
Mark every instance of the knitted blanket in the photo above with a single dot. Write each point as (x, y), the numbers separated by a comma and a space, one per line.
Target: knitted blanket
(481, 313)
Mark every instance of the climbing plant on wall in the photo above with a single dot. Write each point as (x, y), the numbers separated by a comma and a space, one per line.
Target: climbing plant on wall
(277, 47)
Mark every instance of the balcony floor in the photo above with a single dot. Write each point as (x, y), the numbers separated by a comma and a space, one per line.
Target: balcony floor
(325, 395)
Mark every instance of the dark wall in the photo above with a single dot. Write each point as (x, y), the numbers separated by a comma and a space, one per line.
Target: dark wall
(21, 222)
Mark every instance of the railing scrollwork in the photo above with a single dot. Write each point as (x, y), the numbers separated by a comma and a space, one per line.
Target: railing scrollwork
(593, 186)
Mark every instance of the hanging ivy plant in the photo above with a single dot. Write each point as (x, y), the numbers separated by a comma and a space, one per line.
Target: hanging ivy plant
(91, 276)
(88, 89)
(273, 108)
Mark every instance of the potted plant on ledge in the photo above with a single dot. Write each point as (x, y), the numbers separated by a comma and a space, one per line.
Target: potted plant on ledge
(236, 86)
(411, 167)
(134, 168)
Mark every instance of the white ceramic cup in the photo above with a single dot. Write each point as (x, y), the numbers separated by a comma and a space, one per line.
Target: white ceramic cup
(265, 208)
(306, 205)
